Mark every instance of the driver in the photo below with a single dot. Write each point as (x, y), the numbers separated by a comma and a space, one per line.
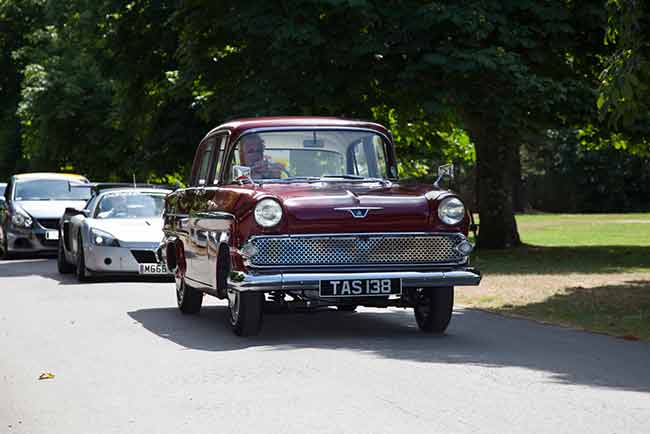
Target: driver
(113, 206)
(262, 166)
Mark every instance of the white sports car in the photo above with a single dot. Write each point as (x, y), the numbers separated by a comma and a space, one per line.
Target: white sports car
(117, 233)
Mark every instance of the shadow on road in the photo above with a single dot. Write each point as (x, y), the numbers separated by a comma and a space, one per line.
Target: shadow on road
(474, 338)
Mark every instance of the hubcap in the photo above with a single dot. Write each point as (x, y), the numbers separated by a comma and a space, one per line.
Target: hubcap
(233, 305)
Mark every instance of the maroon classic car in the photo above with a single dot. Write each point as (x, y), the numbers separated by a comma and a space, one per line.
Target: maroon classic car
(309, 212)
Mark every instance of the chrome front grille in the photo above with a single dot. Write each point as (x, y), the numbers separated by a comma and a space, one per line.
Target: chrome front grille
(353, 249)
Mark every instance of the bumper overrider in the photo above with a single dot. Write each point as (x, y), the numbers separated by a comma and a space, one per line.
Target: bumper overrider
(242, 281)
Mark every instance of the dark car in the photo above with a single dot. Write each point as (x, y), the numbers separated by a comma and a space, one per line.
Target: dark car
(34, 203)
(309, 212)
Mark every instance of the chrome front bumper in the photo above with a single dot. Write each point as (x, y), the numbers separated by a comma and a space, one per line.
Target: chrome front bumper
(241, 281)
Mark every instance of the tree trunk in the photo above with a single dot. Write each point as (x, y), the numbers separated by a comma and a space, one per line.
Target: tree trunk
(494, 163)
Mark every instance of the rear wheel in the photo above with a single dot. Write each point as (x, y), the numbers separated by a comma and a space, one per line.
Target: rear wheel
(80, 269)
(62, 264)
(245, 312)
(433, 309)
(189, 299)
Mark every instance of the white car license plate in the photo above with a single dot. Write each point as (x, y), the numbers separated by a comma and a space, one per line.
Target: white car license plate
(52, 235)
(360, 287)
(153, 269)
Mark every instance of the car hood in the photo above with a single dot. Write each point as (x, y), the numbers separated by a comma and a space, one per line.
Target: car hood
(48, 209)
(330, 206)
(147, 230)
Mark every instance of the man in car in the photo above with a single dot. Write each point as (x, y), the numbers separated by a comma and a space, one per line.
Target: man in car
(262, 166)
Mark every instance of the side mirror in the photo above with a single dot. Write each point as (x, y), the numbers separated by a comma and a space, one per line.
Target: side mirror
(70, 212)
(241, 174)
(3, 202)
(446, 170)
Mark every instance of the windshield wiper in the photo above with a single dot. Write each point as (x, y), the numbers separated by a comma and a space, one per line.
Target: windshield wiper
(347, 176)
(301, 178)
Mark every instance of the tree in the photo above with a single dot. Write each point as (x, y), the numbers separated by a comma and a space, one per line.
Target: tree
(624, 92)
(17, 19)
(504, 71)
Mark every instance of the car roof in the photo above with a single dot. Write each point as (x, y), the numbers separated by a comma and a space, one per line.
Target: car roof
(50, 175)
(237, 127)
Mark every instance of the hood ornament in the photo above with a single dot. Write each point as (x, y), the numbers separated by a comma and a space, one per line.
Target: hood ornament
(358, 212)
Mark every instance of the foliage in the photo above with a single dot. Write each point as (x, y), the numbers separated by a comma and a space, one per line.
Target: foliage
(601, 179)
(112, 88)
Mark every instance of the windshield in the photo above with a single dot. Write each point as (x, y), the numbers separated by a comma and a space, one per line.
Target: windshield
(49, 189)
(346, 154)
(130, 205)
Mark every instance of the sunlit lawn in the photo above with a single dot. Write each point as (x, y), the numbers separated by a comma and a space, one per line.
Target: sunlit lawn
(589, 271)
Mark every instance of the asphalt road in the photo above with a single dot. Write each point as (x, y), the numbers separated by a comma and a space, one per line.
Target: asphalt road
(126, 361)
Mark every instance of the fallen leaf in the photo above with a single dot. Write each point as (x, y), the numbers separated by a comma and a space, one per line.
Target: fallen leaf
(631, 338)
(46, 376)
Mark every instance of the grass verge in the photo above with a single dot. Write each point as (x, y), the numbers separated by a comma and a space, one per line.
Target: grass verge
(599, 287)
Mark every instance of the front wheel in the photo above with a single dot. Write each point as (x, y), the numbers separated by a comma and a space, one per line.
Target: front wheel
(81, 270)
(245, 312)
(189, 300)
(433, 308)
(62, 264)
(5, 248)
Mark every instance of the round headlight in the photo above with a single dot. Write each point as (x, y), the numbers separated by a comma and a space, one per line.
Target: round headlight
(18, 219)
(268, 213)
(451, 211)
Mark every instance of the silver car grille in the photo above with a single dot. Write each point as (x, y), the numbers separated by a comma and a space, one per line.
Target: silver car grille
(297, 250)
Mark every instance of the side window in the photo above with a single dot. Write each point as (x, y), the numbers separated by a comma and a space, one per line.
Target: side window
(8, 189)
(218, 161)
(201, 176)
(235, 160)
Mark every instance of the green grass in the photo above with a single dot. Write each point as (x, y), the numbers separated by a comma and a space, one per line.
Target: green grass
(574, 243)
(585, 229)
(600, 247)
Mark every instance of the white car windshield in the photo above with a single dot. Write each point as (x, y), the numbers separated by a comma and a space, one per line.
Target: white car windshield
(49, 189)
(287, 155)
(130, 205)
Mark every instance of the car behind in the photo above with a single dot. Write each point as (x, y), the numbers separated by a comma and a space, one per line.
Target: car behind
(33, 204)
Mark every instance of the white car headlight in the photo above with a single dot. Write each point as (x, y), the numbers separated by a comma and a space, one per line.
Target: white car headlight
(268, 213)
(101, 238)
(451, 211)
(21, 219)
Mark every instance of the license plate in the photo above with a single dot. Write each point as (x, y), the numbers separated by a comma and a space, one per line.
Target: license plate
(52, 235)
(360, 287)
(153, 269)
